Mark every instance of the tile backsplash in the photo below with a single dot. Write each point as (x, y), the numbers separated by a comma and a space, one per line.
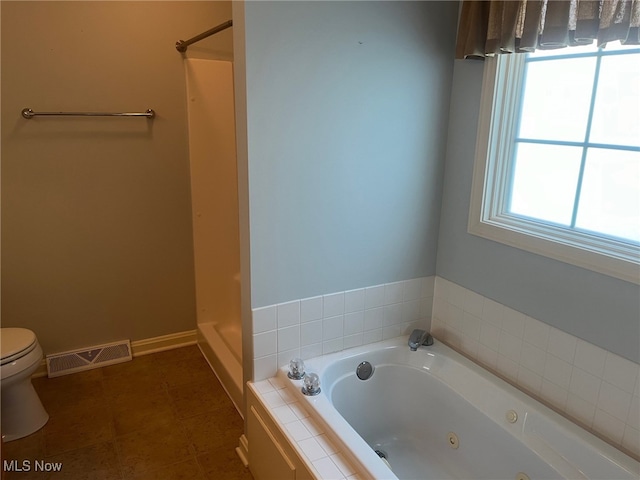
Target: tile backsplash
(597, 389)
(325, 324)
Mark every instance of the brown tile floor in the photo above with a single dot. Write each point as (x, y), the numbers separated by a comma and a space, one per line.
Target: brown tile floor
(163, 416)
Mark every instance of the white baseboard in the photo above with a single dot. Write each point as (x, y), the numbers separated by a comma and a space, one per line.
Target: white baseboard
(41, 371)
(164, 342)
(146, 346)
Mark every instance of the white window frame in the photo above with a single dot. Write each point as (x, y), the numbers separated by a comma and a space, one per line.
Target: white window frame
(501, 92)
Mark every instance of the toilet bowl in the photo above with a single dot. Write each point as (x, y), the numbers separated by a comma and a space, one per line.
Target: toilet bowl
(22, 411)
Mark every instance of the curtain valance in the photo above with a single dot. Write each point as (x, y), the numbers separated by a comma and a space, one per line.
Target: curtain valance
(487, 28)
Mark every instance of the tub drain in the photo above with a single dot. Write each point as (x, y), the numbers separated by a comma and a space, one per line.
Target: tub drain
(364, 371)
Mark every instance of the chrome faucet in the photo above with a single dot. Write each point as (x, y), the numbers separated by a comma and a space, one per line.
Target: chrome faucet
(419, 337)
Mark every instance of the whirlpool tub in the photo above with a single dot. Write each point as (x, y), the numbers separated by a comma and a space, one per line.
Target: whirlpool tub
(433, 414)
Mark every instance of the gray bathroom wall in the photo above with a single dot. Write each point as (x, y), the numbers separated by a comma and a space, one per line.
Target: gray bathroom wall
(97, 241)
(594, 307)
(346, 131)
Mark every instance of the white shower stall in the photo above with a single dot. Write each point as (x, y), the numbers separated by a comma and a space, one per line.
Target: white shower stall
(214, 204)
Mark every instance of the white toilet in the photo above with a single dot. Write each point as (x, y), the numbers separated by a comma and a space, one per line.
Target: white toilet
(22, 411)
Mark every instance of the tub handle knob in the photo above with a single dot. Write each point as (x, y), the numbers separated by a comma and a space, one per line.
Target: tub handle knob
(311, 383)
(296, 369)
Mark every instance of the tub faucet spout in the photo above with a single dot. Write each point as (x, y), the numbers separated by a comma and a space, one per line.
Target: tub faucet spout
(419, 337)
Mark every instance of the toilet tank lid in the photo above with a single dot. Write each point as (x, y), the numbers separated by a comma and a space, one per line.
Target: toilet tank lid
(15, 340)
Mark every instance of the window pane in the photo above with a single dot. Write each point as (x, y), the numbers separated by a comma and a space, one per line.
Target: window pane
(610, 196)
(616, 117)
(544, 182)
(615, 46)
(557, 98)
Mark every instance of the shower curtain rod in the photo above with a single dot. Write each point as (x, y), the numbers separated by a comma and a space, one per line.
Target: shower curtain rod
(181, 45)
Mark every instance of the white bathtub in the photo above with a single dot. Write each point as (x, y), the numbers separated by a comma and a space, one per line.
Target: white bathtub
(418, 406)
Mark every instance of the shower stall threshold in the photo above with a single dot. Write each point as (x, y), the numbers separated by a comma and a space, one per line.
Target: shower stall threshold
(222, 361)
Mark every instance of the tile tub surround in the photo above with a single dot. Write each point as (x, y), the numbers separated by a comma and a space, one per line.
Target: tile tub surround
(317, 447)
(593, 387)
(330, 323)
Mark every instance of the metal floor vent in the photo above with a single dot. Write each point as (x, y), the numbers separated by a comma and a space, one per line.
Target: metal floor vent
(88, 358)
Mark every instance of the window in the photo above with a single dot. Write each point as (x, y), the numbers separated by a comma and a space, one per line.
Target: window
(557, 168)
